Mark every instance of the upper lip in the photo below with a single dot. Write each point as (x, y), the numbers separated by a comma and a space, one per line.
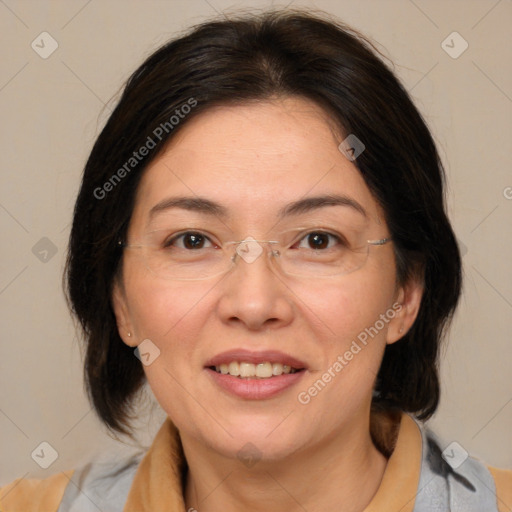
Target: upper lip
(255, 357)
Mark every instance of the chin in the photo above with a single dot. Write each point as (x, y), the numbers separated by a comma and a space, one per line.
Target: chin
(250, 451)
(253, 437)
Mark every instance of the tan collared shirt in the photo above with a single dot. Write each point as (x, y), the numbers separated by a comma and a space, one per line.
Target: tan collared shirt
(158, 481)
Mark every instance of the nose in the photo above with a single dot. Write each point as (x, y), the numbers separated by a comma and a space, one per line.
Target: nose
(254, 294)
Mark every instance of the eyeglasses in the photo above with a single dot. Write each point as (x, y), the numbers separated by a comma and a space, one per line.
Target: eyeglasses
(191, 255)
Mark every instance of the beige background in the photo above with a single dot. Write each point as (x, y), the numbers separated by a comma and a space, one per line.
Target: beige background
(52, 110)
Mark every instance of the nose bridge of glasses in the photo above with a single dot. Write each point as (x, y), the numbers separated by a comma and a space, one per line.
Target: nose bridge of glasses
(250, 249)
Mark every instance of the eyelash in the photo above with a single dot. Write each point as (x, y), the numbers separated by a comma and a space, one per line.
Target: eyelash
(170, 241)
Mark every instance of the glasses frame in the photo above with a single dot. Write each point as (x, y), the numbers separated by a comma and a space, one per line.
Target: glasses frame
(236, 255)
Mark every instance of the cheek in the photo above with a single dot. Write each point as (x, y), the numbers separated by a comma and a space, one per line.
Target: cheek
(341, 312)
(351, 337)
(172, 317)
(159, 308)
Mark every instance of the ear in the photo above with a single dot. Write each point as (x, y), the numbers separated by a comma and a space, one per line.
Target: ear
(407, 305)
(120, 307)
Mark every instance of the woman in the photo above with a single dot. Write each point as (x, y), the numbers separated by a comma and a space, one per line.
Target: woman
(261, 236)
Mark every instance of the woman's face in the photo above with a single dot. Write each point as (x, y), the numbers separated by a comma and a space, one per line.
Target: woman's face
(254, 161)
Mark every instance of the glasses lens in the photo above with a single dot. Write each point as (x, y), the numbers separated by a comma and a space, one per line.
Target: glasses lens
(323, 262)
(187, 264)
(193, 256)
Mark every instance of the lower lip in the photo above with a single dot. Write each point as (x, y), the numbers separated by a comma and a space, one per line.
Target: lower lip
(255, 389)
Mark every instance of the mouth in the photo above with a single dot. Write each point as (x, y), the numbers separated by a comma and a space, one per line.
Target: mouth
(255, 375)
(247, 364)
(246, 370)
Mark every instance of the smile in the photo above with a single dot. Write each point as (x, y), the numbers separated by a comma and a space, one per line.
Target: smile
(245, 370)
(255, 375)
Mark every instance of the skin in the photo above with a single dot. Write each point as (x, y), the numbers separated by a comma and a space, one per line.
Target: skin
(254, 159)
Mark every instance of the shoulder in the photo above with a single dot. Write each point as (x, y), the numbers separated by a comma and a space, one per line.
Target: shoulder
(503, 481)
(452, 477)
(30, 494)
(99, 485)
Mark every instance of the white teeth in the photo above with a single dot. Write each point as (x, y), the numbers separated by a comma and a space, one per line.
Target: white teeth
(247, 370)
(234, 369)
(264, 370)
(277, 369)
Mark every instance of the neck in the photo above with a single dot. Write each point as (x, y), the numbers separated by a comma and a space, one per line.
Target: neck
(346, 469)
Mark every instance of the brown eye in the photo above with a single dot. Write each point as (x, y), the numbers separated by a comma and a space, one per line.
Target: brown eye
(318, 240)
(189, 240)
(193, 241)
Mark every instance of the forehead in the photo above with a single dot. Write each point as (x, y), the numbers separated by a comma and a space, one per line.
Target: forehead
(254, 159)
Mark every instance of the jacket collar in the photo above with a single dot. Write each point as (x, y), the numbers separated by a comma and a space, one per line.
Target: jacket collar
(159, 477)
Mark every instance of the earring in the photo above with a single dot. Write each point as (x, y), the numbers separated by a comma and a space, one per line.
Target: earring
(129, 334)
(401, 330)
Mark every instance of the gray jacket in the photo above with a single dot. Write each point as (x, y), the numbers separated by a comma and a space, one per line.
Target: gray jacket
(449, 482)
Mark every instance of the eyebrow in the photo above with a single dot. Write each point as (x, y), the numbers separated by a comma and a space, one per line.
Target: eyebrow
(299, 207)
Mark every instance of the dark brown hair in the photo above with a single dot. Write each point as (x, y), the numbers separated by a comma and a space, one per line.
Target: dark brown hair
(257, 57)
